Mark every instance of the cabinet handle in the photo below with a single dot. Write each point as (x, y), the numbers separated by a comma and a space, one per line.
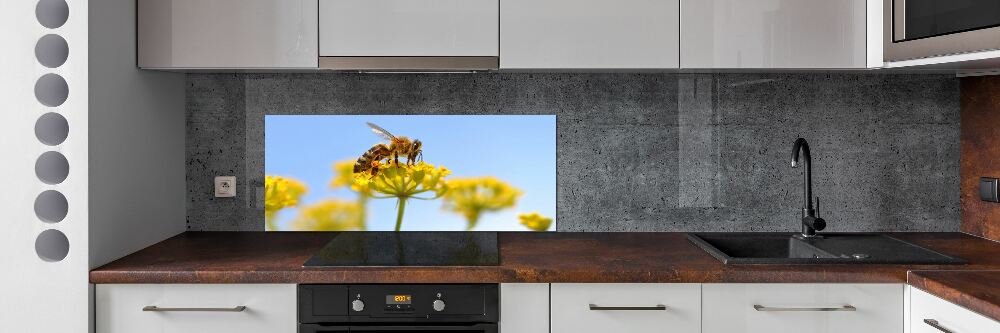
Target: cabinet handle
(768, 308)
(934, 323)
(159, 309)
(595, 307)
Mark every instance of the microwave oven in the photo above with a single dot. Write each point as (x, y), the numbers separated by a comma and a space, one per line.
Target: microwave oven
(915, 29)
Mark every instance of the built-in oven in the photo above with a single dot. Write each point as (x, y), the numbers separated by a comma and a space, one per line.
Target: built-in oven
(916, 29)
(384, 308)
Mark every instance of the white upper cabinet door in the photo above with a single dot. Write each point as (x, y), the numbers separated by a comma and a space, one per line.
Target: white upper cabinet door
(227, 34)
(589, 34)
(425, 28)
(626, 307)
(802, 308)
(774, 34)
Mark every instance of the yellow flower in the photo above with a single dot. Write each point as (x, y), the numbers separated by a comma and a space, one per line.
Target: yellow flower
(281, 192)
(406, 181)
(535, 221)
(329, 215)
(473, 196)
(403, 181)
(344, 176)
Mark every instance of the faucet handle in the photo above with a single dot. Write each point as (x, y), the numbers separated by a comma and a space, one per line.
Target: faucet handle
(817, 206)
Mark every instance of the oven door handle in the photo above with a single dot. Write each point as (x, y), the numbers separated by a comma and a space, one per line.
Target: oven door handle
(313, 328)
(485, 328)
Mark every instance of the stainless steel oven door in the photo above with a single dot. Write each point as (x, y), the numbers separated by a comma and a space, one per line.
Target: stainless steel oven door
(471, 328)
(916, 29)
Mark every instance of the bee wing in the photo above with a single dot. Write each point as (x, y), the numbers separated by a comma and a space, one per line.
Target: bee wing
(381, 132)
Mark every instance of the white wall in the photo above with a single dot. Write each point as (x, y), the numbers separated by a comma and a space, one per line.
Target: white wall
(138, 192)
(34, 292)
(124, 124)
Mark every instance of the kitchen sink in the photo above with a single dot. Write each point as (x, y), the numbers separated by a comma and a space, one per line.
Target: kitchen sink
(832, 248)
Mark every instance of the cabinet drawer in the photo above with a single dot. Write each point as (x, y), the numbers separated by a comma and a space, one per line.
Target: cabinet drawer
(269, 308)
(803, 308)
(634, 308)
(946, 315)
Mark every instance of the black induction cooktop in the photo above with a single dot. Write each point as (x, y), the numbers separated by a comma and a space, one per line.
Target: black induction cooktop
(409, 248)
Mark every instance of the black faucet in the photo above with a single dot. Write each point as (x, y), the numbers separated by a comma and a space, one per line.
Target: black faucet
(810, 221)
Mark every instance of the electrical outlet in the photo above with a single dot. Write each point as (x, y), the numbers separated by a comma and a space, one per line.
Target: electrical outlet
(225, 186)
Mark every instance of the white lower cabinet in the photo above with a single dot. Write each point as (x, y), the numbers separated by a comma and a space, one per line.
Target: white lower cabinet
(930, 314)
(628, 307)
(188, 308)
(803, 308)
(524, 307)
(569, 308)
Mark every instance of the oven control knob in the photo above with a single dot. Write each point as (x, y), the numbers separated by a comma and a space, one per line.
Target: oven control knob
(358, 305)
(438, 305)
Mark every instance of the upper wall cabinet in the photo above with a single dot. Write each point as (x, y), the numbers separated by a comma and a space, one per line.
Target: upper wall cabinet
(779, 34)
(192, 34)
(399, 34)
(589, 34)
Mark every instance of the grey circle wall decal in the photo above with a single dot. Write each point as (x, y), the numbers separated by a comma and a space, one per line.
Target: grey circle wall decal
(51, 129)
(51, 51)
(51, 206)
(52, 245)
(52, 168)
(51, 90)
(52, 13)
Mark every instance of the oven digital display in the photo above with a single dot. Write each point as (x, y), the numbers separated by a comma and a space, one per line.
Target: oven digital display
(398, 299)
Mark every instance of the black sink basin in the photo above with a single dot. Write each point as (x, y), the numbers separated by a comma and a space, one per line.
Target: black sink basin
(789, 248)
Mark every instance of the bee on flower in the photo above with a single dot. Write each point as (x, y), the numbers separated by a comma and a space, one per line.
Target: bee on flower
(372, 160)
(535, 221)
(471, 197)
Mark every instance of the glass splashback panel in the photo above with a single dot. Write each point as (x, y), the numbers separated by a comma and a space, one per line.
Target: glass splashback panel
(410, 173)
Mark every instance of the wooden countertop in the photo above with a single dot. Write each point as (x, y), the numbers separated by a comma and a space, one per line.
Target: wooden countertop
(277, 257)
(978, 291)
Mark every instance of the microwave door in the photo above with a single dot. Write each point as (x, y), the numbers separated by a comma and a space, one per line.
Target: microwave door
(916, 19)
(927, 28)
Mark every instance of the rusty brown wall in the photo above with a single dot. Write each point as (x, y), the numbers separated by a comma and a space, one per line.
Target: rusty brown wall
(980, 153)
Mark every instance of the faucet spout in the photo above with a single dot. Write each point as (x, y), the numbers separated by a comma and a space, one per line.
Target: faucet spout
(810, 222)
(802, 146)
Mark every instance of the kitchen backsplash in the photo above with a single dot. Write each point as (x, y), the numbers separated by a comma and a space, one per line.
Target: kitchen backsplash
(636, 152)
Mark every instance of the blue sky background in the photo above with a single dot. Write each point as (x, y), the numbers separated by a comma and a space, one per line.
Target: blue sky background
(520, 150)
